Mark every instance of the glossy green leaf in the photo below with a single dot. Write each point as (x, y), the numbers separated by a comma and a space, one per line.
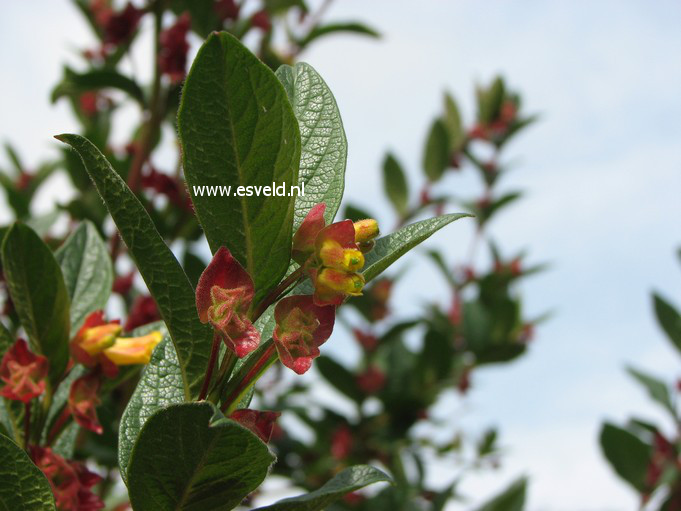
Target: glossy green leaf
(23, 487)
(511, 499)
(349, 480)
(87, 270)
(390, 248)
(39, 294)
(160, 270)
(627, 453)
(395, 184)
(324, 145)
(160, 386)
(74, 83)
(658, 390)
(237, 128)
(669, 319)
(335, 28)
(452, 119)
(436, 155)
(185, 460)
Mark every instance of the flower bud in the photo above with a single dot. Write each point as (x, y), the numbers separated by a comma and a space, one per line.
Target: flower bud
(365, 230)
(339, 281)
(96, 339)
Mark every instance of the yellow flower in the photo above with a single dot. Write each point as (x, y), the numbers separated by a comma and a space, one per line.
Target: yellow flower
(133, 350)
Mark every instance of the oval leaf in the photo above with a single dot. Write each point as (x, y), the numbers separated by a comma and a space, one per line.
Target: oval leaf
(23, 487)
(39, 294)
(390, 248)
(160, 270)
(160, 386)
(183, 462)
(87, 271)
(395, 184)
(627, 453)
(436, 155)
(324, 145)
(349, 480)
(237, 128)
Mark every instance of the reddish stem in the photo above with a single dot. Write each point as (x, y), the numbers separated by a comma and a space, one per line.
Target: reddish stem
(214, 351)
(250, 376)
(58, 425)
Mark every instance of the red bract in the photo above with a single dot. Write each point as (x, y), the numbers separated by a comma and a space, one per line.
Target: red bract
(341, 443)
(71, 482)
(223, 296)
(260, 423)
(83, 402)
(301, 328)
(305, 236)
(368, 341)
(226, 9)
(23, 373)
(261, 20)
(174, 47)
(118, 27)
(372, 380)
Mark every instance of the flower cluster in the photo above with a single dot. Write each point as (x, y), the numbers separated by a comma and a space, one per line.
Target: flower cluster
(71, 482)
(172, 57)
(333, 254)
(23, 373)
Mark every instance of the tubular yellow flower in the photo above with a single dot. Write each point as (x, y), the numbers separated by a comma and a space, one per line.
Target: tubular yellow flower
(133, 350)
(333, 255)
(339, 281)
(365, 230)
(96, 339)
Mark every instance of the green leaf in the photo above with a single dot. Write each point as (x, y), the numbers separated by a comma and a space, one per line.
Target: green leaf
(340, 378)
(37, 289)
(324, 145)
(627, 453)
(237, 128)
(6, 339)
(390, 248)
(87, 270)
(452, 119)
(334, 28)
(349, 480)
(436, 155)
(490, 101)
(23, 487)
(395, 184)
(511, 499)
(75, 83)
(160, 270)
(669, 320)
(658, 390)
(183, 461)
(160, 385)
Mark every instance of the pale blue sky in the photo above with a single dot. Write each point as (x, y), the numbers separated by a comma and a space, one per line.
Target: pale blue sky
(602, 173)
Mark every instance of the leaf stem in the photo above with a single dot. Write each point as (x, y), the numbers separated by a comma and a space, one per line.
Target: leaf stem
(58, 425)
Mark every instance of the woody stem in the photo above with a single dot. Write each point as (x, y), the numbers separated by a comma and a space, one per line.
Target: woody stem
(214, 351)
(274, 295)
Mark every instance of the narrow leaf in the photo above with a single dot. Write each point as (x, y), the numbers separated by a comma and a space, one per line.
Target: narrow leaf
(182, 461)
(87, 270)
(669, 319)
(390, 248)
(324, 145)
(340, 377)
(511, 499)
(160, 270)
(160, 386)
(436, 155)
(23, 487)
(658, 390)
(349, 480)
(395, 184)
(237, 128)
(75, 83)
(627, 453)
(332, 28)
(39, 294)
(453, 123)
